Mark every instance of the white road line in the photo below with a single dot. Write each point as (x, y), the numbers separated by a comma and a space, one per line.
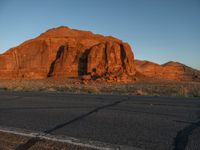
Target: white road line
(65, 139)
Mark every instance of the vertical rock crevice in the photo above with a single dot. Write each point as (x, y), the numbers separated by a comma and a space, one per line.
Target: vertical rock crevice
(83, 63)
(58, 55)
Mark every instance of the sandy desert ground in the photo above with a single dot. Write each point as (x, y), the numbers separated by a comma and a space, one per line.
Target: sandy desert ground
(143, 88)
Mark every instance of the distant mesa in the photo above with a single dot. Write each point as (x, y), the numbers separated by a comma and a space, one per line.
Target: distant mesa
(168, 71)
(68, 53)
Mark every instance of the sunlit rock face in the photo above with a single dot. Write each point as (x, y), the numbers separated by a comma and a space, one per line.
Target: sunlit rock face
(64, 52)
(168, 71)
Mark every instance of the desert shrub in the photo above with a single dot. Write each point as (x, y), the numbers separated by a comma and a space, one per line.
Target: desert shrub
(195, 92)
(183, 91)
(141, 92)
(91, 89)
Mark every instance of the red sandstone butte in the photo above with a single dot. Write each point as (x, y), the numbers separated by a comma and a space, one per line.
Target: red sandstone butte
(64, 52)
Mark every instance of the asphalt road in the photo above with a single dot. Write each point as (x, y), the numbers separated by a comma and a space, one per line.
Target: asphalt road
(152, 123)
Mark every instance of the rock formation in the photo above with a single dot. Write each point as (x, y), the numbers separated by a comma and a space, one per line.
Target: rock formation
(168, 71)
(68, 53)
(64, 52)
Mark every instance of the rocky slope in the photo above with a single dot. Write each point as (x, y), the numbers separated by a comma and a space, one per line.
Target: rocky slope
(168, 71)
(64, 52)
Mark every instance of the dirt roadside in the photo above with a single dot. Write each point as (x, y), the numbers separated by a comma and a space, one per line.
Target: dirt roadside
(9, 141)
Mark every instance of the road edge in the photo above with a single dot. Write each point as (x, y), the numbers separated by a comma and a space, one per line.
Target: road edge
(65, 139)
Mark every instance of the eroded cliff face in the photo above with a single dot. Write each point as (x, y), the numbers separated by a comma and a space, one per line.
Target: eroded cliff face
(168, 71)
(64, 52)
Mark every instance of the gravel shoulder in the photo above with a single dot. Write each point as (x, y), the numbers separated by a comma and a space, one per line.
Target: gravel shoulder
(9, 141)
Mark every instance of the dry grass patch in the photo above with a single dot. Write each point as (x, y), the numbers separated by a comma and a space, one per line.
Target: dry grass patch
(168, 88)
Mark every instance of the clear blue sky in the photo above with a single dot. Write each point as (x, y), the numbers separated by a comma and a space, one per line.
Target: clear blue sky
(157, 30)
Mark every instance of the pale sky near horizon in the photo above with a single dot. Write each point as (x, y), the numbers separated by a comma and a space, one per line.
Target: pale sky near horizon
(157, 30)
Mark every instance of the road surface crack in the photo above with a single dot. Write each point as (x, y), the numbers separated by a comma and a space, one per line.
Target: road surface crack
(82, 116)
(32, 141)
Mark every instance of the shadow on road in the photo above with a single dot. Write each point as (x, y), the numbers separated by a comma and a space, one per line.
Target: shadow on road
(182, 137)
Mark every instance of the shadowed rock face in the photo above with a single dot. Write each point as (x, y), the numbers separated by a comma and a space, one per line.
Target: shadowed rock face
(64, 52)
(170, 71)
